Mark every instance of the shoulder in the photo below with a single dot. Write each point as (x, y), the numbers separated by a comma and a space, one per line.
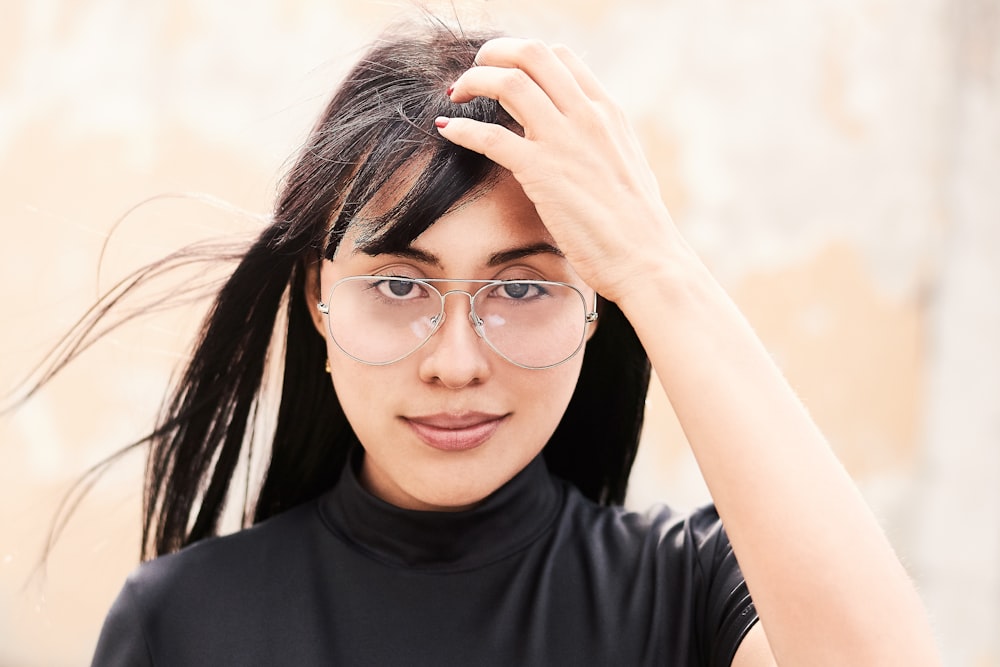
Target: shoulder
(661, 529)
(686, 549)
(249, 553)
(679, 564)
(213, 578)
(211, 593)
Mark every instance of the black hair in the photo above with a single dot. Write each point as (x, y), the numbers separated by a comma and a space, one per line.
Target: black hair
(375, 133)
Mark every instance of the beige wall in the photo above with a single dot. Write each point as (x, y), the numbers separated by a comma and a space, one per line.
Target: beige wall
(836, 163)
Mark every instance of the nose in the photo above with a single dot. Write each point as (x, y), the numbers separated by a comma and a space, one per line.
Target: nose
(456, 355)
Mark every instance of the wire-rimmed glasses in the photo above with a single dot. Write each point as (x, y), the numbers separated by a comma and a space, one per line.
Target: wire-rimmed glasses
(534, 324)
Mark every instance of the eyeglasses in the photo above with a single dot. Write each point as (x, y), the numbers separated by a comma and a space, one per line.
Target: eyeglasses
(534, 324)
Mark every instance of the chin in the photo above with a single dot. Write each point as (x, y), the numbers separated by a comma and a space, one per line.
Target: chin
(446, 482)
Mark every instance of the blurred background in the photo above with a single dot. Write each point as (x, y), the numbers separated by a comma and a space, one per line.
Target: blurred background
(837, 165)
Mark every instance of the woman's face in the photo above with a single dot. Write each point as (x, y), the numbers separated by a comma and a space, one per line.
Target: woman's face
(451, 423)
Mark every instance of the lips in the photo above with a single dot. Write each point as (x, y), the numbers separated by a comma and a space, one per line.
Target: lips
(455, 432)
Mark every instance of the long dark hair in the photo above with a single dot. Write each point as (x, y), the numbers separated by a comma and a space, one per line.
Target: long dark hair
(379, 125)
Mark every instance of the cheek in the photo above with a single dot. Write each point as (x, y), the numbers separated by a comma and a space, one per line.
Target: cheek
(361, 391)
(551, 395)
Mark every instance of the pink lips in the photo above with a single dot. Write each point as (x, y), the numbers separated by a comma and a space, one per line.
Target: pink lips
(455, 432)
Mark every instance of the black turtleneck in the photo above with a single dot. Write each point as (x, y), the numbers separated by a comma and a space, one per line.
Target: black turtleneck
(534, 575)
(506, 522)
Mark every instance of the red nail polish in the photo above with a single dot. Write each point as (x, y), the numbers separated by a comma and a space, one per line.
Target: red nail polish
(450, 90)
(440, 121)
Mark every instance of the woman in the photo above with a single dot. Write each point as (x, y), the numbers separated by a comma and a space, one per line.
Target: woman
(438, 249)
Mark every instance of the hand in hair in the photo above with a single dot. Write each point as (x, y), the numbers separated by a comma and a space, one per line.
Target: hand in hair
(578, 161)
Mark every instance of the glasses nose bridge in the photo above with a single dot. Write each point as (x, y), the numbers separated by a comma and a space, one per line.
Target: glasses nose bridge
(473, 317)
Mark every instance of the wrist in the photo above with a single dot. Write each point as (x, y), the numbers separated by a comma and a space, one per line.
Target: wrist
(665, 280)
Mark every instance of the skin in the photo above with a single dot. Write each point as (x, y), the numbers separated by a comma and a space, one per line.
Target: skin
(454, 379)
(826, 583)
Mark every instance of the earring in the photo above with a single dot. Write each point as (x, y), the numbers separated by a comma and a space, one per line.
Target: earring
(327, 367)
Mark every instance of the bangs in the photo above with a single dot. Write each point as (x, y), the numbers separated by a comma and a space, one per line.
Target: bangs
(415, 193)
(405, 175)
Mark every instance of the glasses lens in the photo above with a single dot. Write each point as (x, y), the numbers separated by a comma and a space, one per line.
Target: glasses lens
(380, 320)
(532, 323)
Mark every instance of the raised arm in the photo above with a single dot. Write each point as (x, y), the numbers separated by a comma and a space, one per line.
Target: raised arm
(826, 583)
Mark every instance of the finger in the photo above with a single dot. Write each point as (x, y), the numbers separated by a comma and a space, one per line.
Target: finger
(516, 91)
(584, 76)
(540, 62)
(598, 94)
(496, 142)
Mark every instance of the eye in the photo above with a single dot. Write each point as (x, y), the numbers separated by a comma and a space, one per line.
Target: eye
(519, 291)
(397, 289)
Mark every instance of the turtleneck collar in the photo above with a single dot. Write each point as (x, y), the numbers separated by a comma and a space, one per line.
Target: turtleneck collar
(504, 522)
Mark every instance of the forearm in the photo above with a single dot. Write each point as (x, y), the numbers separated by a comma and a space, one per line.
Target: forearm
(826, 582)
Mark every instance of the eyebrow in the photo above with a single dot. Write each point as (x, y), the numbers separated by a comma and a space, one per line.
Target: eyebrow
(496, 259)
(504, 256)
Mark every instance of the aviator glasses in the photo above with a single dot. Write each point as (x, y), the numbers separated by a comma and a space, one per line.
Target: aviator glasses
(534, 324)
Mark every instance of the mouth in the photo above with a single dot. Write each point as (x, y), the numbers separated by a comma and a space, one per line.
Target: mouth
(455, 432)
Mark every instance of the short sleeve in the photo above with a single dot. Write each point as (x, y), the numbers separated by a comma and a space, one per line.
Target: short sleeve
(724, 605)
(122, 642)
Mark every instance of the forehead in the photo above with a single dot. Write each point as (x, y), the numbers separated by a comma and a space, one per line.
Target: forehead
(476, 229)
(499, 217)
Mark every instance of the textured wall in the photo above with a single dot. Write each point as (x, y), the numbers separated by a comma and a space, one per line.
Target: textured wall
(836, 163)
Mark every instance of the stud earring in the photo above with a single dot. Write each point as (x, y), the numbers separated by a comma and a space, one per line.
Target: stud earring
(327, 367)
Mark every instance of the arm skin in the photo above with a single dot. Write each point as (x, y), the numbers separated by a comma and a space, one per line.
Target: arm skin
(828, 588)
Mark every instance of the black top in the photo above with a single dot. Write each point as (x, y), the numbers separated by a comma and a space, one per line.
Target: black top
(535, 575)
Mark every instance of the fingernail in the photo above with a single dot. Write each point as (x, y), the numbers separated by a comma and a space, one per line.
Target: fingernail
(450, 90)
(441, 121)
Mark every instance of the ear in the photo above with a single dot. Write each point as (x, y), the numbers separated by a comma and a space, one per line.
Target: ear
(312, 284)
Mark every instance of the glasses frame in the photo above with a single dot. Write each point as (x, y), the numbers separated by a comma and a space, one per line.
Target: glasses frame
(477, 323)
